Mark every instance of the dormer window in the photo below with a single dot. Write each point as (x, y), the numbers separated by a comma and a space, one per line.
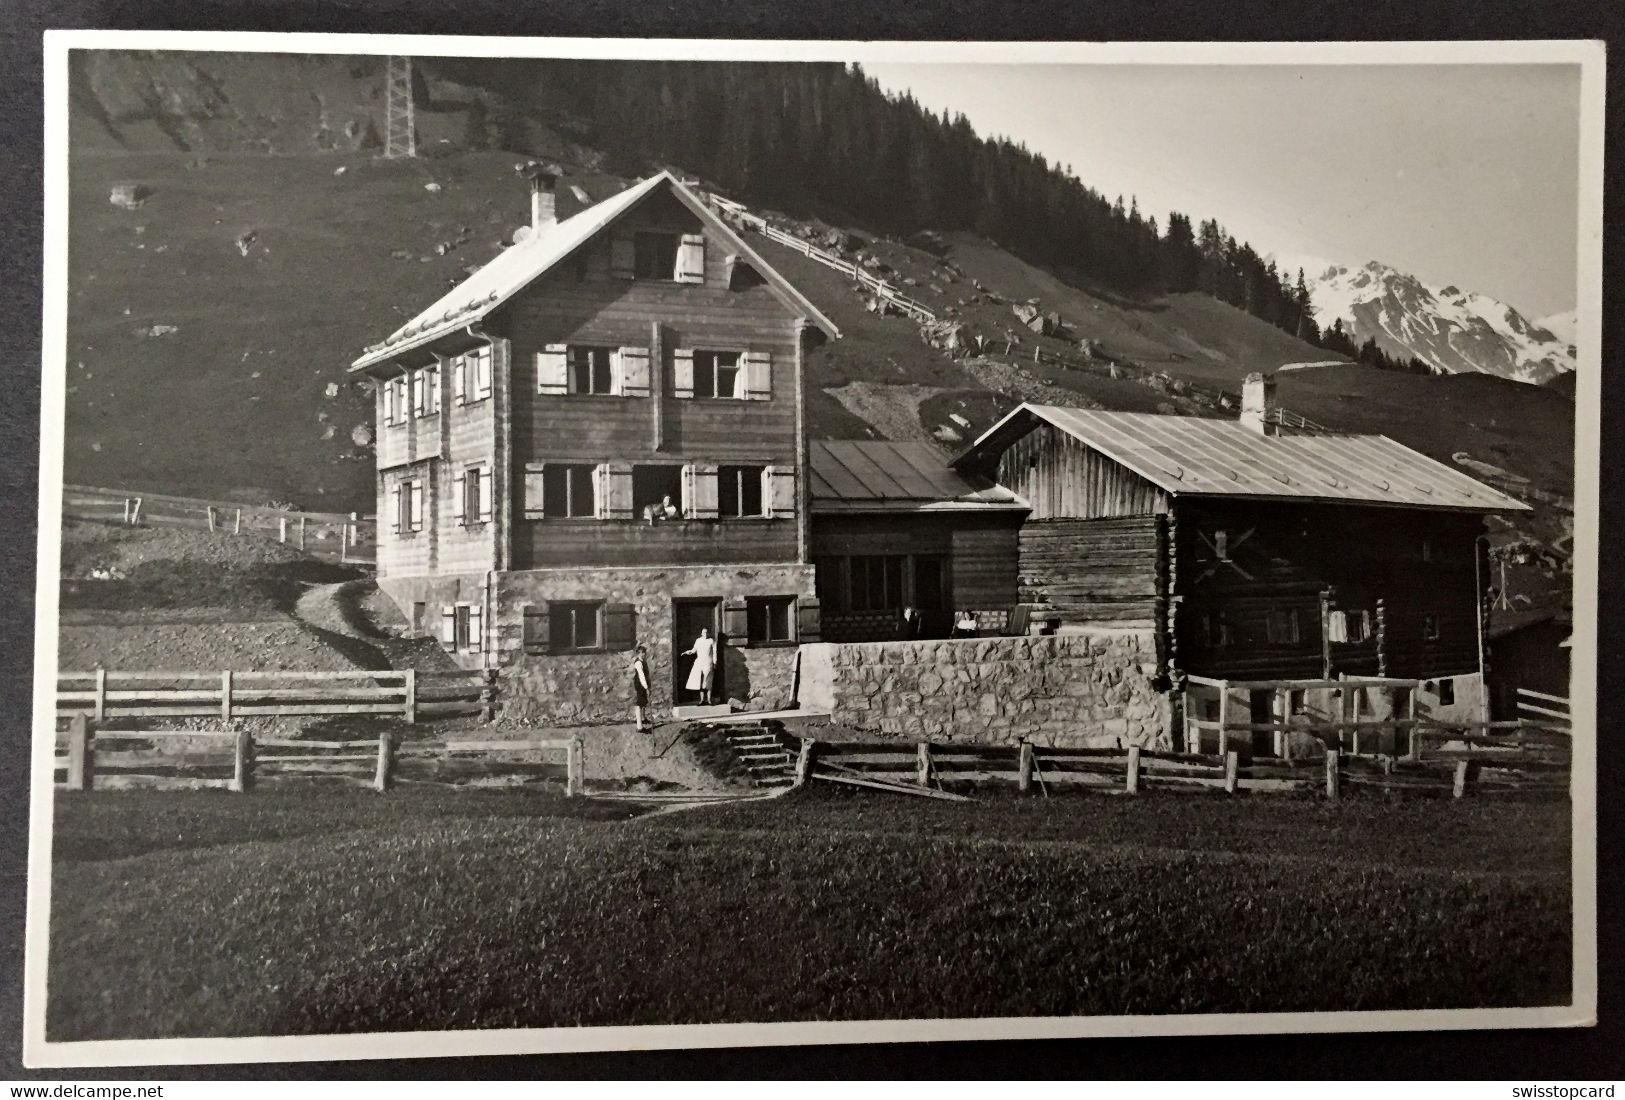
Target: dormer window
(655, 256)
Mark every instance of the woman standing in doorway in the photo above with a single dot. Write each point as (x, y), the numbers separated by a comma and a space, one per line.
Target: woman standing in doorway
(640, 687)
(701, 675)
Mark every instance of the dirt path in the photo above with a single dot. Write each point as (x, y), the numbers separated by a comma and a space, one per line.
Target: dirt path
(357, 612)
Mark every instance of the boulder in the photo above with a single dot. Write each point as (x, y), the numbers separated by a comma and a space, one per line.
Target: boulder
(129, 196)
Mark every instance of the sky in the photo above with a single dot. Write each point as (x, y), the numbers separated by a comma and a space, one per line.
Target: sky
(1458, 174)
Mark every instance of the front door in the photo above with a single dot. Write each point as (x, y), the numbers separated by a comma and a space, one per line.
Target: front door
(689, 617)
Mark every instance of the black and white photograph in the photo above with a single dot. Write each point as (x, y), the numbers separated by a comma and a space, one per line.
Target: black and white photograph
(629, 544)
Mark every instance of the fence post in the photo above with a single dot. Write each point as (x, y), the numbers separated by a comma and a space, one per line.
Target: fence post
(1024, 772)
(282, 529)
(101, 695)
(81, 754)
(804, 761)
(1331, 773)
(386, 763)
(225, 695)
(126, 511)
(1458, 788)
(488, 691)
(237, 525)
(1224, 719)
(135, 513)
(922, 763)
(211, 517)
(242, 778)
(1231, 767)
(1410, 716)
(1132, 785)
(1356, 697)
(412, 696)
(572, 768)
(301, 532)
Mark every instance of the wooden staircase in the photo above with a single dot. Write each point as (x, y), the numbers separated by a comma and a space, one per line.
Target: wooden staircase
(764, 752)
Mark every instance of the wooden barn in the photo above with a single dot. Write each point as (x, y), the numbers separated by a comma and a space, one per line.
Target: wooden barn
(1255, 552)
(597, 440)
(895, 527)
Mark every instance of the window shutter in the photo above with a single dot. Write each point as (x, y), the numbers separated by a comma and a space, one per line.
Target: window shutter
(434, 391)
(736, 623)
(448, 625)
(758, 375)
(482, 492)
(632, 369)
(389, 402)
(535, 493)
(395, 507)
(808, 615)
(536, 637)
(620, 626)
(700, 491)
(458, 381)
(779, 492)
(682, 363)
(552, 370)
(623, 257)
(482, 372)
(416, 513)
(476, 635)
(691, 259)
(614, 490)
(459, 496)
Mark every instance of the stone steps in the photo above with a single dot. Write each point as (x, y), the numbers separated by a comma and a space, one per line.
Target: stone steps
(763, 753)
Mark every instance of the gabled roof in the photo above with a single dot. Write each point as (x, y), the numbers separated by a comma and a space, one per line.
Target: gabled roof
(1196, 456)
(471, 300)
(874, 475)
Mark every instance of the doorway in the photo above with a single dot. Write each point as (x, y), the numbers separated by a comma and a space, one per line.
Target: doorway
(688, 618)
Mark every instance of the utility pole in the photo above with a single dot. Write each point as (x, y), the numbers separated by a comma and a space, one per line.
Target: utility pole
(400, 127)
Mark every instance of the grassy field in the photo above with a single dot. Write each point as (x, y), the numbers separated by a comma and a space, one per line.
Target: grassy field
(332, 911)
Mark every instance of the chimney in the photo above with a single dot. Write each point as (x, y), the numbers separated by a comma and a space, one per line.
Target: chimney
(1258, 404)
(542, 177)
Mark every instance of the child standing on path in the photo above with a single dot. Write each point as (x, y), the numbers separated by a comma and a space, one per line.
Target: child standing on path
(640, 687)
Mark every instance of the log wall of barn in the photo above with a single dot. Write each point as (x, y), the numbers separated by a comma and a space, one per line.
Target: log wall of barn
(1092, 570)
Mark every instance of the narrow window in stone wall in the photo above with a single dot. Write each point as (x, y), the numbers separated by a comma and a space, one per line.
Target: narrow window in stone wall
(574, 626)
(1447, 692)
(770, 619)
(461, 628)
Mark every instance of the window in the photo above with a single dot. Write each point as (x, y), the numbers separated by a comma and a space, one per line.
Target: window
(471, 375)
(655, 256)
(739, 491)
(471, 495)
(877, 582)
(769, 618)
(395, 401)
(1215, 629)
(1447, 692)
(574, 626)
(1221, 544)
(425, 385)
(1359, 626)
(1427, 550)
(567, 492)
(461, 628)
(657, 493)
(1297, 701)
(591, 370)
(406, 506)
(1430, 627)
(1281, 626)
(717, 374)
(420, 617)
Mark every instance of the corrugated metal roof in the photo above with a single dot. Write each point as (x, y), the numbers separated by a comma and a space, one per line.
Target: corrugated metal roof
(516, 267)
(878, 475)
(1197, 456)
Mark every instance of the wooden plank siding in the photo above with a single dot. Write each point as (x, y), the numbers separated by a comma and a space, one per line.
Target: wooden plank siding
(1092, 570)
(980, 550)
(582, 303)
(1062, 478)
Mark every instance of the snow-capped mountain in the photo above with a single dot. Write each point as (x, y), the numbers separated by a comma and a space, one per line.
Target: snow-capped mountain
(1451, 329)
(1562, 325)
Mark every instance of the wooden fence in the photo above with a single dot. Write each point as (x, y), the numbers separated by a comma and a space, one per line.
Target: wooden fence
(91, 758)
(102, 695)
(929, 770)
(345, 537)
(1537, 707)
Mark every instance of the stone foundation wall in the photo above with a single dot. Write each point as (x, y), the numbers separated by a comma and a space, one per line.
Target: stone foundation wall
(1075, 690)
(596, 687)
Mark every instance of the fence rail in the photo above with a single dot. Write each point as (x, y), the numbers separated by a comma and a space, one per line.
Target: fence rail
(345, 537)
(103, 694)
(929, 770)
(92, 758)
(1540, 707)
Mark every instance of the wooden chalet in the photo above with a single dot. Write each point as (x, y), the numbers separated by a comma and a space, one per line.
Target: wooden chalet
(1254, 552)
(895, 527)
(597, 440)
